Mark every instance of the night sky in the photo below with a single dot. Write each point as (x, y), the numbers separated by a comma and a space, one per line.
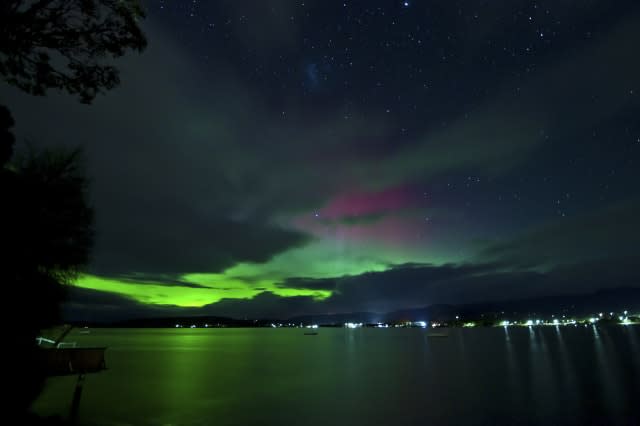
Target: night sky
(276, 158)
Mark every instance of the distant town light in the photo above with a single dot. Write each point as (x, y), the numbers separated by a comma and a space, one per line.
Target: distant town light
(529, 323)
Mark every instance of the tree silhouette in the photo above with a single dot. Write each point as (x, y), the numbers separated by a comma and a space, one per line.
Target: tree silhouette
(50, 230)
(52, 194)
(6, 137)
(46, 224)
(47, 233)
(62, 44)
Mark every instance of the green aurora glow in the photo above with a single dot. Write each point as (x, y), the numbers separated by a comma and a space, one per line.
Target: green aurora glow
(326, 258)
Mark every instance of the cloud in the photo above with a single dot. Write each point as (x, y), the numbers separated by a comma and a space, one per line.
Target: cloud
(178, 186)
(93, 305)
(149, 279)
(264, 305)
(309, 283)
(412, 285)
(500, 133)
(400, 287)
(197, 172)
(175, 247)
(611, 232)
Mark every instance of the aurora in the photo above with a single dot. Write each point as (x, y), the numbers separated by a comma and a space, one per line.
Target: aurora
(333, 157)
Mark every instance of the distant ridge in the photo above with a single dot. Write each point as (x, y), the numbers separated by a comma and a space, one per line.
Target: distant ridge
(188, 321)
(570, 304)
(615, 300)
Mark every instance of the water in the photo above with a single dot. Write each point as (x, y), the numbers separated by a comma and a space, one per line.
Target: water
(485, 376)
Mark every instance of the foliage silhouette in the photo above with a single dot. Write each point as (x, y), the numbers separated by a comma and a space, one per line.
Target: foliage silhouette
(47, 236)
(61, 44)
(45, 220)
(7, 139)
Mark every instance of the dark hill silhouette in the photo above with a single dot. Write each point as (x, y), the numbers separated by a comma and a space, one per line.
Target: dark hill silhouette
(618, 299)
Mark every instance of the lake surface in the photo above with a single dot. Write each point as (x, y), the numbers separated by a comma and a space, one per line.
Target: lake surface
(483, 376)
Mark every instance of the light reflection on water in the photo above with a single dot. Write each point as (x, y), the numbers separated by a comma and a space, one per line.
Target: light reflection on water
(515, 375)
